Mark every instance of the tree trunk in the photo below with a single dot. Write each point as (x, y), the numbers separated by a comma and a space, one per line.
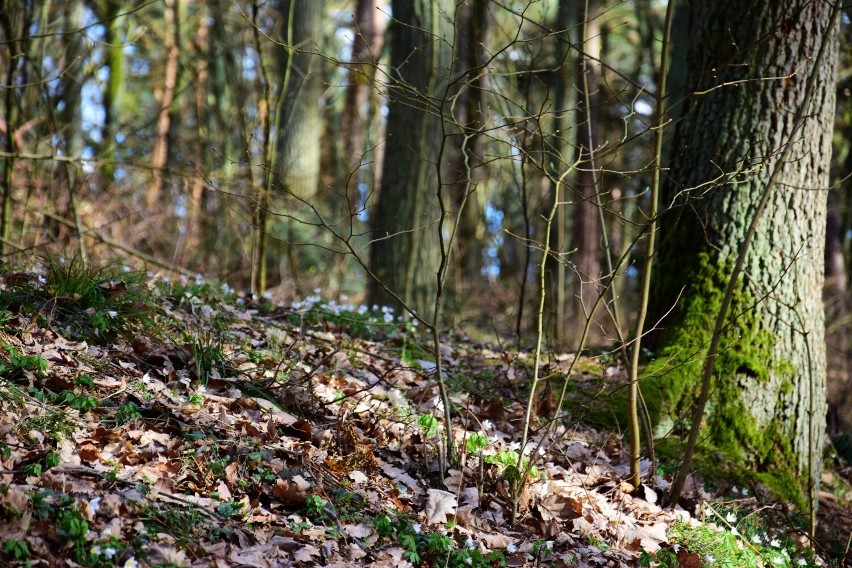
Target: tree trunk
(404, 252)
(564, 124)
(110, 11)
(465, 147)
(836, 320)
(301, 123)
(586, 228)
(748, 69)
(160, 151)
(366, 48)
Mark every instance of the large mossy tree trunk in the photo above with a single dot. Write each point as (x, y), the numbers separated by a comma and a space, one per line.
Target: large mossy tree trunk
(404, 253)
(748, 67)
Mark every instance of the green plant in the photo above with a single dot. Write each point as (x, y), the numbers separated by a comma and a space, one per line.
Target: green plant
(127, 412)
(314, 506)
(83, 301)
(52, 421)
(230, 509)
(507, 460)
(83, 403)
(207, 348)
(429, 424)
(17, 549)
(663, 558)
(72, 525)
(475, 443)
(184, 524)
(18, 363)
(32, 470)
(434, 548)
(84, 381)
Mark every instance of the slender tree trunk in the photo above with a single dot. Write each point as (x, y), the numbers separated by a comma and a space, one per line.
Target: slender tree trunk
(837, 316)
(465, 159)
(586, 229)
(110, 11)
(366, 48)
(301, 124)
(564, 124)
(14, 23)
(160, 151)
(748, 69)
(404, 251)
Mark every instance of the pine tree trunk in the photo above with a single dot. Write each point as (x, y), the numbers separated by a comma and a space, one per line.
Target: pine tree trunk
(748, 67)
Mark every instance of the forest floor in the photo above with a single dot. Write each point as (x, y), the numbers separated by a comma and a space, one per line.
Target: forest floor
(153, 423)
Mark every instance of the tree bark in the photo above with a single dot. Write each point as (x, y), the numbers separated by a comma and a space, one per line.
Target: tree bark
(747, 72)
(586, 228)
(465, 147)
(404, 252)
(160, 151)
(301, 123)
(110, 11)
(366, 48)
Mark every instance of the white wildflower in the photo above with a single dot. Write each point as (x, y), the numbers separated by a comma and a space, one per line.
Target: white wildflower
(731, 518)
(775, 543)
(801, 561)
(487, 425)
(95, 504)
(96, 550)
(469, 560)
(388, 318)
(131, 563)
(777, 560)
(469, 544)
(756, 539)
(112, 313)
(735, 490)
(438, 403)
(109, 552)
(745, 491)
(710, 559)
(417, 527)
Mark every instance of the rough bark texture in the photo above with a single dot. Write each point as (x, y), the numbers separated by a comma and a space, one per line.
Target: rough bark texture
(404, 251)
(299, 139)
(748, 65)
(465, 170)
(586, 228)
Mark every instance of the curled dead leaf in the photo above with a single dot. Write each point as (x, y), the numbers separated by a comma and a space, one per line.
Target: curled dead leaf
(293, 490)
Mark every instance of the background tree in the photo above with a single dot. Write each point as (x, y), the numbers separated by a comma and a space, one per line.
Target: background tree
(404, 250)
(741, 138)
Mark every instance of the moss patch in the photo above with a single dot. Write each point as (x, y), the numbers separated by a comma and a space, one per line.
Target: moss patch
(745, 361)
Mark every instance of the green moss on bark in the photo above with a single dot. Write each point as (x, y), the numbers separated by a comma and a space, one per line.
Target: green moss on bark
(745, 366)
